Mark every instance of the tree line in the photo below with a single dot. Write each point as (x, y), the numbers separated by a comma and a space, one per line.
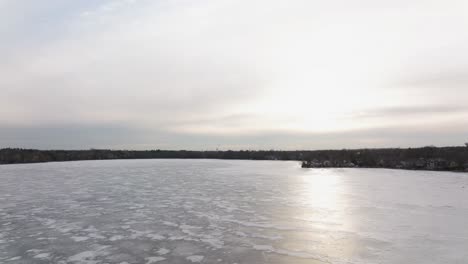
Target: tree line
(429, 158)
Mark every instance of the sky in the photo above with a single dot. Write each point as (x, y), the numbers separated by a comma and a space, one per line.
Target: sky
(233, 74)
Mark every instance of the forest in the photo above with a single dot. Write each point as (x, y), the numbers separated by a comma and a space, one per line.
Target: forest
(424, 158)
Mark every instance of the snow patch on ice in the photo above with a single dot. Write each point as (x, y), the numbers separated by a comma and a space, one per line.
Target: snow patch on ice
(169, 223)
(264, 247)
(151, 260)
(84, 257)
(195, 258)
(163, 251)
(79, 238)
(116, 237)
(155, 237)
(42, 256)
(89, 257)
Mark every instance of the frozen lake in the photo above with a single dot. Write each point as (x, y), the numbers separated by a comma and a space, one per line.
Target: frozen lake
(218, 211)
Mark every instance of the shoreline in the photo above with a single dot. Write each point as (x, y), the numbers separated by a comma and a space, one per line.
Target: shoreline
(426, 158)
(298, 161)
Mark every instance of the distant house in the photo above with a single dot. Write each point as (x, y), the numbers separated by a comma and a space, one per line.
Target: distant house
(453, 165)
(420, 163)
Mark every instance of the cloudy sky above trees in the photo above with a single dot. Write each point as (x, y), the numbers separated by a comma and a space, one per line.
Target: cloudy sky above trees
(233, 74)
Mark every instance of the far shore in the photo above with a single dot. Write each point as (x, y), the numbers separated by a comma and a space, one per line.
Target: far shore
(425, 158)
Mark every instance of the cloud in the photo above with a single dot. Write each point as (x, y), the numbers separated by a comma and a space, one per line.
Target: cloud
(232, 71)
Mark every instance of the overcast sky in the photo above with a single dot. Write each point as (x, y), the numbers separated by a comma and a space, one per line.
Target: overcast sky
(233, 74)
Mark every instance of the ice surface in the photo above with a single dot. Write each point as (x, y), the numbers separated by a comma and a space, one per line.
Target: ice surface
(218, 211)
